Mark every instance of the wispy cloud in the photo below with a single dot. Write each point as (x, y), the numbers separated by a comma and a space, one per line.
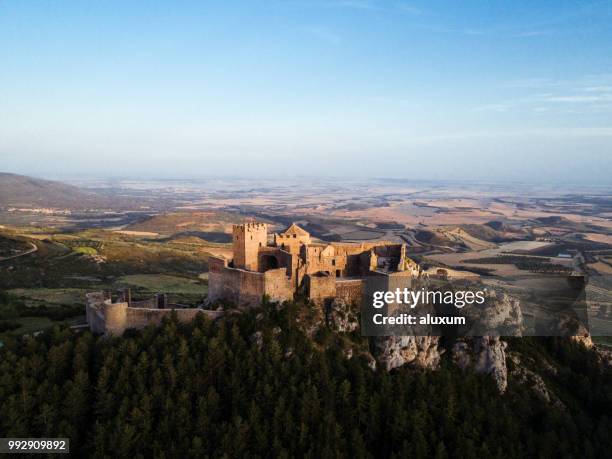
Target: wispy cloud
(579, 99)
(591, 93)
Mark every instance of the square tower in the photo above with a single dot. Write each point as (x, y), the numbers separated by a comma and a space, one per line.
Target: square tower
(247, 239)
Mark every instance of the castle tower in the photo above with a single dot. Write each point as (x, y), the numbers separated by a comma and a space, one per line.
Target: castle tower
(247, 239)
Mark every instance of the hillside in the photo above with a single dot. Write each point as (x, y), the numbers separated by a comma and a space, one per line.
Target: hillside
(452, 237)
(214, 226)
(257, 386)
(28, 192)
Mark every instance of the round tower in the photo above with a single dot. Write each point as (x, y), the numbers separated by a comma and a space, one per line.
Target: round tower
(115, 315)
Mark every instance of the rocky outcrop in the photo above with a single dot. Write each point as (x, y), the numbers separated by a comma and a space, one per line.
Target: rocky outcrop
(371, 361)
(257, 339)
(499, 315)
(485, 354)
(342, 317)
(417, 351)
(490, 354)
(583, 336)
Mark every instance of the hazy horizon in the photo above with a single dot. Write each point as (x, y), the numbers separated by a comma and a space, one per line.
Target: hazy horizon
(439, 90)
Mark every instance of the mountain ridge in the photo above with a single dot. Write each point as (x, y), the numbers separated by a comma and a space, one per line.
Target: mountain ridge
(31, 192)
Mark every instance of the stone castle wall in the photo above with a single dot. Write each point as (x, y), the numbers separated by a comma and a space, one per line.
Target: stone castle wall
(94, 313)
(148, 303)
(234, 285)
(350, 290)
(141, 317)
(246, 288)
(320, 287)
(109, 318)
(277, 285)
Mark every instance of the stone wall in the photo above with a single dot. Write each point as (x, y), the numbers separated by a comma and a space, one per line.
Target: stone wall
(217, 289)
(350, 290)
(150, 303)
(250, 287)
(246, 288)
(320, 287)
(277, 285)
(240, 287)
(109, 318)
(141, 317)
(94, 311)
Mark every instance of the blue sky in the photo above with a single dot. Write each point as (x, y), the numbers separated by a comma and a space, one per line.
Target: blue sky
(441, 89)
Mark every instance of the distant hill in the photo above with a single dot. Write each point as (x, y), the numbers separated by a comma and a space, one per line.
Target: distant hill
(494, 231)
(22, 191)
(209, 225)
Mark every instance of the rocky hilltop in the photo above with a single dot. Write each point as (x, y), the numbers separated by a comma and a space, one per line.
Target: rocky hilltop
(490, 354)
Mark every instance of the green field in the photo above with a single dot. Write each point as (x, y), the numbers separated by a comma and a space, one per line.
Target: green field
(36, 309)
(85, 250)
(49, 286)
(49, 296)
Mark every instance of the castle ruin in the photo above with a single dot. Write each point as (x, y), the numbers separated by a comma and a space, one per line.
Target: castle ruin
(291, 264)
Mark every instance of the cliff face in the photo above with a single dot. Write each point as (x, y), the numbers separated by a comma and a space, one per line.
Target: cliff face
(500, 315)
(418, 351)
(584, 337)
(485, 354)
(342, 317)
(482, 354)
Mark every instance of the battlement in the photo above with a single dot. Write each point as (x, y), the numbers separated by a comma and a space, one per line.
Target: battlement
(249, 227)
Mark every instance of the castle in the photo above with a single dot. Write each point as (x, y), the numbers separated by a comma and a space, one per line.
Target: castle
(291, 263)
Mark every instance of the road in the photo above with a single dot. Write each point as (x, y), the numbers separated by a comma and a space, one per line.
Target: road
(33, 249)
